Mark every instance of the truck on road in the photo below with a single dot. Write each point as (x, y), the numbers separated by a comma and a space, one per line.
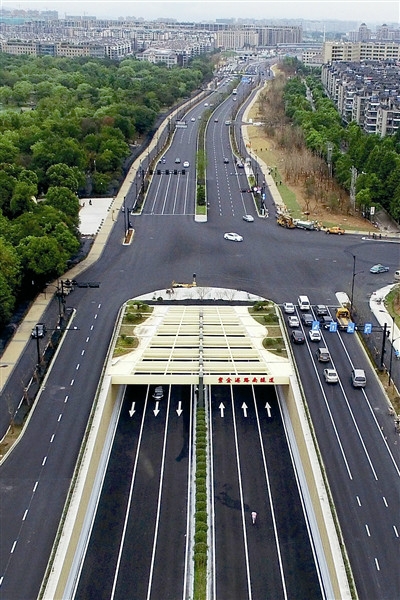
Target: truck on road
(343, 315)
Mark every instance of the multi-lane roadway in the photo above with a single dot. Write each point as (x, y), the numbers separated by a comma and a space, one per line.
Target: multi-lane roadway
(272, 262)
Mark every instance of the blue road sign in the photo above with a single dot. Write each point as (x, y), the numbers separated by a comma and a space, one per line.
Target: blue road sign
(315, 325)
(351, 327)
(368, 328)
(333, 327)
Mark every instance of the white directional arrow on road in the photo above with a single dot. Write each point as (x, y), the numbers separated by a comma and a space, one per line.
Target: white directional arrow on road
(179, 410)
(156, 410)
(244, 407)
(221, 408)
(268, 407)
(132, 409)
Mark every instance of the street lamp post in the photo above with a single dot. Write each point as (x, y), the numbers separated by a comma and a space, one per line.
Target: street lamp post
(391, 353)
(352, 282)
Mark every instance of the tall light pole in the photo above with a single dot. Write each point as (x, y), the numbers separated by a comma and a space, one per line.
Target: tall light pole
(391, 352)
(352, 283)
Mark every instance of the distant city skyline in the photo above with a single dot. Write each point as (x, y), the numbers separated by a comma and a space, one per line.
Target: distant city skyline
(376, 12)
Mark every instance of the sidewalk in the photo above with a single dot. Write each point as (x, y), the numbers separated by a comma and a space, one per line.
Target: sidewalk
(378, 309)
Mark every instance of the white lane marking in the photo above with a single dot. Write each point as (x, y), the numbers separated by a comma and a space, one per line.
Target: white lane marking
(373, 416)
(77, 366)
(82, 353)
(35, 486)
(99, 305)
(87, 339)
(13, 546)
(377, 565)
(128, 505)
(358, 501)
(212, 504)
(384, 501)
(52, 439)
(246, 549)
(160, 489)
(72, 382)
(328, 408)
(66, 399)
(44, 461)
(95, 316)
(270, 498)
(396, 533)
(25, 515)
(368, 531)
(91, 327)
(59, 417)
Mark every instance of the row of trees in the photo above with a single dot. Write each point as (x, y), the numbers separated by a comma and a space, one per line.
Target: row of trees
(66, 126)
(376, 159)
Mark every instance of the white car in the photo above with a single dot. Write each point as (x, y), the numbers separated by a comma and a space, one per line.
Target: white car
(315, 335)
(293, 321)
(192, 119)
(248, 218)
(288, 307)
(331, 376)
(233, 237)
(177, 161)
(186, 164)
(205, 103)
(158, 393)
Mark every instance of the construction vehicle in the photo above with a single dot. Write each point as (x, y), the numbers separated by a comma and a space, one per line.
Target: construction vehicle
(310, 225)
(285, 221)
(343, 315)
(175, 284)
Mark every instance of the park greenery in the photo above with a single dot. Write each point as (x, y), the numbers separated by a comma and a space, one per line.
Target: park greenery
(318, 125)
(67, 126)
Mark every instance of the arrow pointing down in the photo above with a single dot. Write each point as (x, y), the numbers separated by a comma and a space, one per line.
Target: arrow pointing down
(156, 410)
(179, 410)
(132, 409)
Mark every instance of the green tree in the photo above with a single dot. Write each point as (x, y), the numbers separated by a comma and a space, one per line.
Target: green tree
(23, 198)
(64, 200)
(65, 176)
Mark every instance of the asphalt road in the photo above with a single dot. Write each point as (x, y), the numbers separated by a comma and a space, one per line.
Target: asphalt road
(271, 261)
(144, 506)
(360, 450)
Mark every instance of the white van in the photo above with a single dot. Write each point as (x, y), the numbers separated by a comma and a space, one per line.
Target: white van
(397, 275)
(304, 303)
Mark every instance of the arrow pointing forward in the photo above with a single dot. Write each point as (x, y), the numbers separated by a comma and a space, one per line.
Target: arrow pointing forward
(179, 410)
(221, 408)
(268, 407)
(156, 410)
(244, 407)
(132, 409)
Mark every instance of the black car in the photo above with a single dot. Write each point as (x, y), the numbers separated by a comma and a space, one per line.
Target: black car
(321, 310)
(39, 331)
(326, 321)
(226, 160)
(297, 337)
(307, 319)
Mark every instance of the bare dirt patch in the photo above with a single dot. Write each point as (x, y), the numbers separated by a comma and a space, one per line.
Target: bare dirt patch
(303, 200)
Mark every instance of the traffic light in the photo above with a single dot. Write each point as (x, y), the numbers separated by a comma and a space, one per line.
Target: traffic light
(183, 172)
(158, 171)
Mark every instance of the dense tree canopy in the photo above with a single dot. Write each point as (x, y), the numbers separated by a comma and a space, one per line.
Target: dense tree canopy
(64, 122)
